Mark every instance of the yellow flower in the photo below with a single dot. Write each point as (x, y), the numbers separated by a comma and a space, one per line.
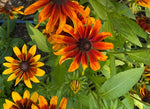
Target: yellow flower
(26, 67)
(144, 3)
(75, 86)
(21, 103)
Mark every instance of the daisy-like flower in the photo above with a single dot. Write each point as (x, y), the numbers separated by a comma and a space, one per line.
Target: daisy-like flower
(26, 67)
(145, 94)
(144, 3)
(57, 11)
(21, 103)
(83, 44)
(147, 74)
(144, 23)
(11, 10)
(53, 103)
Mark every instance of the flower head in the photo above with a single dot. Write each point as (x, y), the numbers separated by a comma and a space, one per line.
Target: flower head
(144, 3)
(26, 67)
(144, 23)
(57, 11)
(21, 103)
(11, 10)
(53, 103)
(145, 94)
(86, 42)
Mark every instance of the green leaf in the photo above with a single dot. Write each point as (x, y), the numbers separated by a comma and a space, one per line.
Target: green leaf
(128, 102)
(16, 42)
(142, 57)
(120, 83)
(38, 37)
(99, 9)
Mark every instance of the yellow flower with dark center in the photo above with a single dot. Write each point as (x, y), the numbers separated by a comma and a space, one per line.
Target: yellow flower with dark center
(21, 103)
(53, 103)
(144, 3)
(26, 67)
(11, 10)
(57, 11)
(145, 94)
(75, 86)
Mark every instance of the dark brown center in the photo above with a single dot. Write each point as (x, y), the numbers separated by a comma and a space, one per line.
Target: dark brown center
(146, 99)
(59, 2)
(24, 66)
(84, 45)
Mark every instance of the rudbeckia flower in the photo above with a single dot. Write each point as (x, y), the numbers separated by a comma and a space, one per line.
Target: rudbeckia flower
(145, 94)
(144, 3)
(57, 11)
(147, 74)
(26, 67)
(21, 103)
(144, 23)
(11, 10)
(53, 103)
(83, 44)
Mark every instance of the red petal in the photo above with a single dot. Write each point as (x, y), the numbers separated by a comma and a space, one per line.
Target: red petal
(102, 45)
(84, 62)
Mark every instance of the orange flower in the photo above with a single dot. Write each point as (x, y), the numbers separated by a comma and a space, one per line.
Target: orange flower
(10, 10)
(21, 103)
(145, 94)
(144, 23)
(85, 42)
(57, 12)
(53, 103)
(144, 3)
(26, 66)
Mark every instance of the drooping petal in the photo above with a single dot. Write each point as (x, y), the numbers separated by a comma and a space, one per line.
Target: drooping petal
(53, 102)
(65, 50)
(95, 29)
(17, 52)
(94, 64)
(102, 45)
(43, 103)
(16, 97)
(63, 103)
(76, 62)
(24, 52)
(27, 81)
(68, 56)
(101, 36)
(84, 62)
(35, 6)
(98, 55)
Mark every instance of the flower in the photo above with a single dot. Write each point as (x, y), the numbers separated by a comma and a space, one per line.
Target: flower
(144, 23)
(11, 10)
(145, 94)
(86, 41)
(147, 74)
(57, 11)
(144, 3)
(53, 103)
(21, 103)
(26, 66)
(75, 86)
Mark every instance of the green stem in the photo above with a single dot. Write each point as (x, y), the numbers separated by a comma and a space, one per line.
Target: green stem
(46, 57)
(132, 51)
(139, 100)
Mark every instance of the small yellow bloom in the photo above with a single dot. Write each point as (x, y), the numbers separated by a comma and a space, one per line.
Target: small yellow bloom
(26, 67)
(144, 3)
(75, 86)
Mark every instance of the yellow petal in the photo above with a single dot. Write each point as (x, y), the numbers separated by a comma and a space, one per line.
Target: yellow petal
(27, 82)
(40, 72)
(34, 79)
(7, 64)
(24, 51)
(9, 59)
(32, 50)
(26, 94)
(34, 97)
(8, 104)
(11, 77)
(39, 64)
(63, 103)
(7, 71)
(16, 96)
(34, 107)
(19, 79)
(43, 103)
(17, 52)
(53, 102)
(35, 58)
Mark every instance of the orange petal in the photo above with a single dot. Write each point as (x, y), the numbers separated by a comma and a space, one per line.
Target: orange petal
(35, 6)
(88, 28)
(84, 62)
(63, 103)
(96, 29)
(43, 103)
(19, 79)
(53, 102)
(102, 45)
(94, 64)
(76, 63)
(65, 50)
(101, 36)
